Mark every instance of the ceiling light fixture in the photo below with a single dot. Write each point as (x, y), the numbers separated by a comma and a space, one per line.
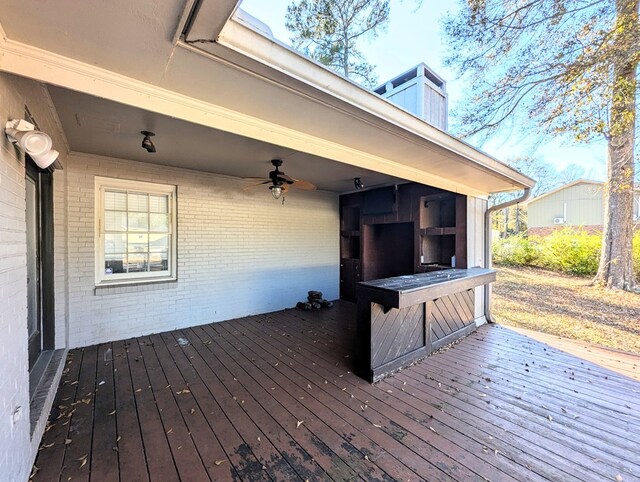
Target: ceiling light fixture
(276, 191)
(146, 142)
(358, 183)
(36, 144)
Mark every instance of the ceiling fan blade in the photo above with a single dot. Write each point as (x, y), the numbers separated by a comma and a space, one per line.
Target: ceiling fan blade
(256, 179)
(254, 186)
(284, 177)
(303, 185)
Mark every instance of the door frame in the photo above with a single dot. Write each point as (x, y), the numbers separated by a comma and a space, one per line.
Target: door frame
(45, 246)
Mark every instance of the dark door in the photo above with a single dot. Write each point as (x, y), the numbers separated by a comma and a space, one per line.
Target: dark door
(39, 220)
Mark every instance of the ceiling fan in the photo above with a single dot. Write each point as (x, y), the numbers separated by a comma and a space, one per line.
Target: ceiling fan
(279, 181)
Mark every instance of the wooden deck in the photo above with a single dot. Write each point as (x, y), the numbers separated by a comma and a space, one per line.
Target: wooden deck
(272, 397)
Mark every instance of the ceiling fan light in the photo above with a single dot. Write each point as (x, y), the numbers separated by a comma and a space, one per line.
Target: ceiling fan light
(276, 191)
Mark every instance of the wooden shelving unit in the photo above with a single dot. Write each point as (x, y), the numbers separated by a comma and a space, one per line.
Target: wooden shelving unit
(442, 231)
(399, 230)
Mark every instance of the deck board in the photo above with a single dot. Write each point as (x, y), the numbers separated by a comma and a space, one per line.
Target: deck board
(274, 397)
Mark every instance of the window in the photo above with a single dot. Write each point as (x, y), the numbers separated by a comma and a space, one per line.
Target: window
(135, 231)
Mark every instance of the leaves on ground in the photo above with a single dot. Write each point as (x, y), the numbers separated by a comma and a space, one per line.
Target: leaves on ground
(567, 306)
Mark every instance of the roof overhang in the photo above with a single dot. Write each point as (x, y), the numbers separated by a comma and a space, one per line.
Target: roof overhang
(247, 84)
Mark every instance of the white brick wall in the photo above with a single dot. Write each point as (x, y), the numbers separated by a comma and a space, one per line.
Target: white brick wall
(238, 253)
(17, 449)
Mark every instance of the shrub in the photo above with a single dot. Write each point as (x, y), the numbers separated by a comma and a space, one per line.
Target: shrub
(514, 251)
(568, 250)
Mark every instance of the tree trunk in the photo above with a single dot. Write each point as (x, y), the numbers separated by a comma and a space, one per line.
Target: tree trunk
(616, 262)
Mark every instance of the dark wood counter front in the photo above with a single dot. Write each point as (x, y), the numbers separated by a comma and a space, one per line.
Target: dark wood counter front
(404, 318)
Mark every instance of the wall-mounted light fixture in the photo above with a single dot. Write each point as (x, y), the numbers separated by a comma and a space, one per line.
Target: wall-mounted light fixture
(35, 143)
(146, 141)
(358, 183)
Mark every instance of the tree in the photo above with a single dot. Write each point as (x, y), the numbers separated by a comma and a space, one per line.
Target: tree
(329, 31)
(559, 68)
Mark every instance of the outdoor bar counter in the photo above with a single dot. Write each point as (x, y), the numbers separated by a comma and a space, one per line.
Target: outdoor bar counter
(405, 318)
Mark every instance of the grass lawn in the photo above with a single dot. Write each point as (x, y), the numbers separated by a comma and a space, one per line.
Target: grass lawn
(567, 306)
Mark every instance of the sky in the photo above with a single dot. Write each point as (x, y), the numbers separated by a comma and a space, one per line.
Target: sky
(414, 35)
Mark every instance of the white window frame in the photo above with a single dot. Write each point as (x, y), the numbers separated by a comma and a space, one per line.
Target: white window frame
(105, 183)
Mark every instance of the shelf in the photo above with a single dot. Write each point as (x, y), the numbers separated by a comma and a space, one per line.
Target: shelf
(438, 231)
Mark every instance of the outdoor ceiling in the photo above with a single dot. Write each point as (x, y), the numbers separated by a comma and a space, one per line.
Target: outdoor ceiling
(98, 126)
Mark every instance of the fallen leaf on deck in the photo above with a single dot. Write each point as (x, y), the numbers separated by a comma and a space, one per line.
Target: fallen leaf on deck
(111, 413)
(299, 423)
(550, 418)
(193, 410)
(219, 462)
(67, 441)
(619, 478)
(377, 426)
(186, 390)
(433, 429)
(170, 430)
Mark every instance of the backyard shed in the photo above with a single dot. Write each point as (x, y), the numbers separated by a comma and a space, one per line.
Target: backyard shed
(113, 241)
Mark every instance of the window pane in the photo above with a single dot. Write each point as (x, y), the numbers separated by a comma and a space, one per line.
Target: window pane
(137, 262)
(158, 204)
(158, 243)
(159, 222)
(138, 202)
(115, 201)
(115, 243)
(158, 261)
(115, 221)
(138, 221)
(138, 243)
(115, 263)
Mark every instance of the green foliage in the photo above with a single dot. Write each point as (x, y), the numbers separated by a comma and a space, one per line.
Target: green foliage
(567, 250)
(515, 250)
(329, 31)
